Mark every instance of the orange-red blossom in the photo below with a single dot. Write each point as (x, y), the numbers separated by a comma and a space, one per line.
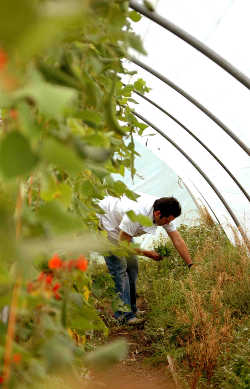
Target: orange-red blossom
(80, 263)
(47, 280)
(16, 358)
(55, 262)
(3, 59)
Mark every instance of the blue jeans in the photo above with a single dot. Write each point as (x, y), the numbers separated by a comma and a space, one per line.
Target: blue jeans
(124, 272)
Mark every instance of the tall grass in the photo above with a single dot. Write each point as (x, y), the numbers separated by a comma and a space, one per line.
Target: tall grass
(196, 315)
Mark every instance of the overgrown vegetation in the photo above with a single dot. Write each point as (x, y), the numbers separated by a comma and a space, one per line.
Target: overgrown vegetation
(200, 316)
(65, 127)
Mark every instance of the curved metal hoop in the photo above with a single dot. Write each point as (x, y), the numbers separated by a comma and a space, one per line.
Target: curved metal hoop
(215, 57)
(235, 219)
(198, 140)
(192, 100)
(203, 198)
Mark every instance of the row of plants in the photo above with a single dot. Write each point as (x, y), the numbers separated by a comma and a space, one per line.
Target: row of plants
(65, 128)
(200, 317)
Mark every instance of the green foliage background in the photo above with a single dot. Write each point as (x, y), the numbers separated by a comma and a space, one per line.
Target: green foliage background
(66, 127)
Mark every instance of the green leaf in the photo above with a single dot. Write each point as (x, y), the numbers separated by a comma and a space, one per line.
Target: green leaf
(24, 14)
(98, 170)
(16, 156)
(132, 101)
(126, 91)
(76, 126)
(50, 190)
(140, 85)
(57, 353)
(131, 195)
(52, 23)
(141, 219)
(97, 139)
(55, 217)
(135, 16)
(91, 118)
(136, 42)
(107, 355)
(142, 126)
(51, 99)
(56, 76)
(149, 5)
(81, 315)
(61, 156)
(5, 100)
(87, 189)
(116, 17)
(119, 187)
(27, 122)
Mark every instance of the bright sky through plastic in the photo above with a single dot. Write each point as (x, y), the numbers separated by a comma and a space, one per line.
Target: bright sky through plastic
(224, 27)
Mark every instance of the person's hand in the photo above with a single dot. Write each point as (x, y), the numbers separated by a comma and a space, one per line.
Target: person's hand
(154, 255)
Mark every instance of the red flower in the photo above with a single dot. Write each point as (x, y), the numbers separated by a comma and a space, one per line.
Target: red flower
(82, 263)
(1, 379)
(3, 59)
(17, 358)
(41, 276)
(30, 287)
(55, 262)
(14, 114)
(49, 279)
(57, 296)
(56, 287)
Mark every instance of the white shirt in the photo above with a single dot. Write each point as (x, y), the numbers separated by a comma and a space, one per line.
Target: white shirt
(115, 219)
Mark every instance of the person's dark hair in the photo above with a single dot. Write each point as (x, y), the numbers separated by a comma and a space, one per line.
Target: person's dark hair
(167, 206)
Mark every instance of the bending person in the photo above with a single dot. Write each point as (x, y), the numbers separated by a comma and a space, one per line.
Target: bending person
(115, 221)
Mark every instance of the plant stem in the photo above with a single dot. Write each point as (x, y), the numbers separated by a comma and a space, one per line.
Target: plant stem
(10, 333)
(13, 307)
(30, 190)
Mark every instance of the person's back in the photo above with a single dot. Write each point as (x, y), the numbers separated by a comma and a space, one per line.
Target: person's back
(116, 208)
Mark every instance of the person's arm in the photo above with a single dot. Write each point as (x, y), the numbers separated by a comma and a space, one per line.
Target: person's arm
(180, 246)
(147, 253)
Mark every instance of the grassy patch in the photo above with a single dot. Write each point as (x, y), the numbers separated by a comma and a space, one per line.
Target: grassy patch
(196, 315)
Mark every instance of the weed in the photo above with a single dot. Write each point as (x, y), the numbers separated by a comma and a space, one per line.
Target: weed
(195, 315)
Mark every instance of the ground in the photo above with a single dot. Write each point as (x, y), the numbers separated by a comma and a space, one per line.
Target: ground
(133, 372)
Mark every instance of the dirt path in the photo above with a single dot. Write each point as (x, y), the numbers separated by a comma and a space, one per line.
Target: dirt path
(133, 373)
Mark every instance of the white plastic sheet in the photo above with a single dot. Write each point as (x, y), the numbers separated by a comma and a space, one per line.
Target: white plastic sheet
(224, 27)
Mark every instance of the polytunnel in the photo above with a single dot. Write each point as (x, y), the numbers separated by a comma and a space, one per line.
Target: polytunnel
(198, 69)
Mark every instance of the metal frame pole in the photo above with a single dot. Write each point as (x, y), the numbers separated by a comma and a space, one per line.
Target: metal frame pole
(197, 44)
(235, 219)
(204, 199)
(198, 140)
(192, 100)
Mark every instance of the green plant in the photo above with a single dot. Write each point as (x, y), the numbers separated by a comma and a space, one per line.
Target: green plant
(195, 316)
(65, 126)
(163, 250)
(233, 369)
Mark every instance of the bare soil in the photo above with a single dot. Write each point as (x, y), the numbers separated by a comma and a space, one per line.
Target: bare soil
(133, 372)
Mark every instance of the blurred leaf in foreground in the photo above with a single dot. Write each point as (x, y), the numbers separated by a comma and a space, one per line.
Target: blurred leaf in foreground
(16, 156)
(144, 220)
(107, 355)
